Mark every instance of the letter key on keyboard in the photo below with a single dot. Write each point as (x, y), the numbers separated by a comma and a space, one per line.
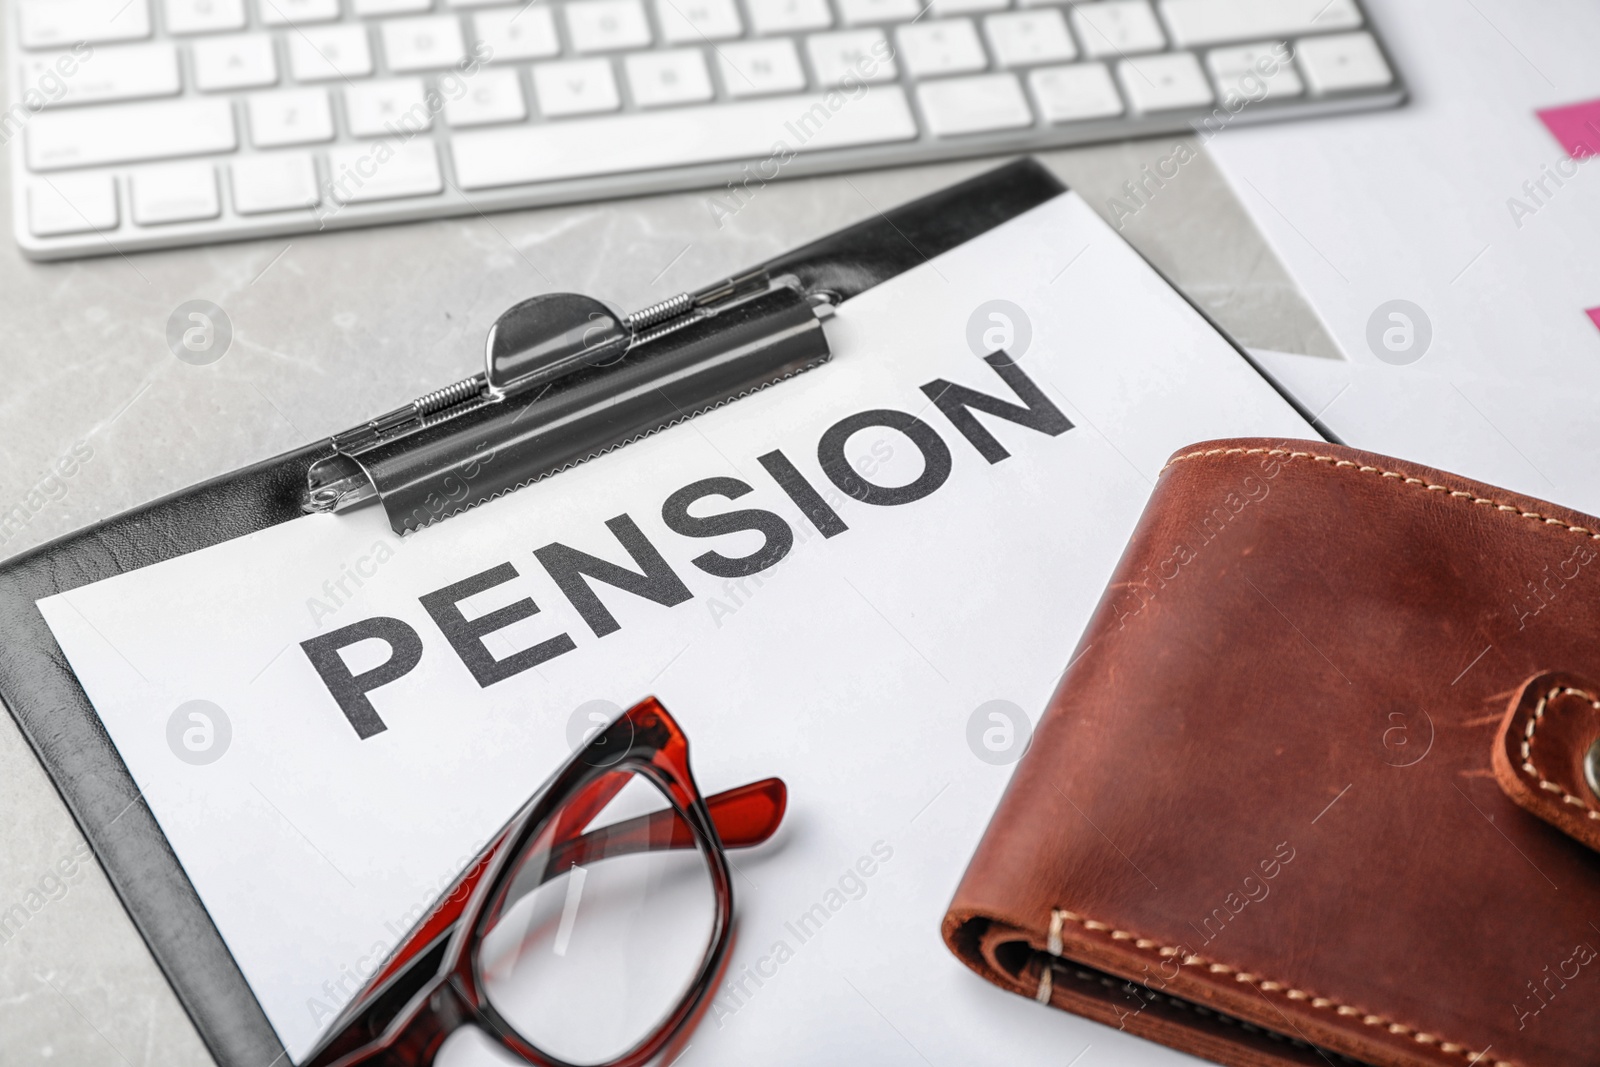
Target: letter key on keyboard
(151, 123)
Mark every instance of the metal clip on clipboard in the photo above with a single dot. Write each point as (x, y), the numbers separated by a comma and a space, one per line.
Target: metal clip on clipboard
(566, 378)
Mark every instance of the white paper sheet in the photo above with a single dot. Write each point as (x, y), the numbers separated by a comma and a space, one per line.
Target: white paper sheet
(851, 668)
(1421, 204)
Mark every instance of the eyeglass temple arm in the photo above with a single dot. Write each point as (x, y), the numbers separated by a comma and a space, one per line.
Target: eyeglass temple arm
(743, 817)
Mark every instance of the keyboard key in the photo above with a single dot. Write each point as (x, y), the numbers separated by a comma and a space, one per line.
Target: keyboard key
(954, 106)
(72, 203)
(423, 44)
(513, 155)
(1254, 72)
(368, 8)
(1024, 65)
(387, 106)
(1074, 93)
(1201, 22)
(943, 8)
(1342, 62)
(693, 21)
(758, 68)
(63, 23)
(129, 133)
(358, 173)
(1023, 38)
(204, 16)
(606, 25)
(1164, 83)
(329, 53)
(281, 181)
(1117, 28)
(297, 12)
(178, 192)
(492, 95)
(947, 46)
(675, 76)
(120, 72)
(854, 55)
(1261, 55)
(289, 116)
(575, 87)
(862, 12)
(243, 61)
(787, 16)
(514, 33)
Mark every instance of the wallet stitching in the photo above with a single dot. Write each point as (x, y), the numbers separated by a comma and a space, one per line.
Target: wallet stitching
(1300, 995)
(1460, 494)
(1046, 985)
(1059, 915)
(1539, 709)
(1534, 722)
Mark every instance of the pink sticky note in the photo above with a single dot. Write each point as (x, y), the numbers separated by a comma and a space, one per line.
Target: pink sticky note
(1594, 316)
(1576, 126)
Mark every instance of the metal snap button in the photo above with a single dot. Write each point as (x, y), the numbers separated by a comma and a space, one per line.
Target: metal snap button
(1591, 768)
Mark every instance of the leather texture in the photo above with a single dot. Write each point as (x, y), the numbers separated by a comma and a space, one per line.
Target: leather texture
(1261, 820)
(39, 689)
(1539, 757)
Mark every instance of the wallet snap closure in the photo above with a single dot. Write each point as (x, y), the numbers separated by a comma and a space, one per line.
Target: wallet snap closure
(1547, 753)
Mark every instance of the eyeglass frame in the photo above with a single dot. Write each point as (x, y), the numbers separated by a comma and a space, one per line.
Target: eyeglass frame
(423, 1007)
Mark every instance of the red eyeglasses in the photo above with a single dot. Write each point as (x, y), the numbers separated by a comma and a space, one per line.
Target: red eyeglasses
(590, 932)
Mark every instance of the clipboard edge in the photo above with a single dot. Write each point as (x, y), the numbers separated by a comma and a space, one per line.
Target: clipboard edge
(40, 692)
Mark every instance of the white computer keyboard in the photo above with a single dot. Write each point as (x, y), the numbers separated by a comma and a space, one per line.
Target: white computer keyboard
(149, 123)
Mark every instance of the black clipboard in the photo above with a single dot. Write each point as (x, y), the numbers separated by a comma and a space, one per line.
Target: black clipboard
(43, 695)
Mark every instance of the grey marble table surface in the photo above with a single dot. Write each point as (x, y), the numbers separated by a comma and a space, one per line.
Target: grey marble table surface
(331, 329)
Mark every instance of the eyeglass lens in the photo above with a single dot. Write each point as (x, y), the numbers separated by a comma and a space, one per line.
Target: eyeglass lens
(607, 922)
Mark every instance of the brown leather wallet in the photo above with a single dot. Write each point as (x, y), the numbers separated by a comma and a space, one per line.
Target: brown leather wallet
(1320, 781)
